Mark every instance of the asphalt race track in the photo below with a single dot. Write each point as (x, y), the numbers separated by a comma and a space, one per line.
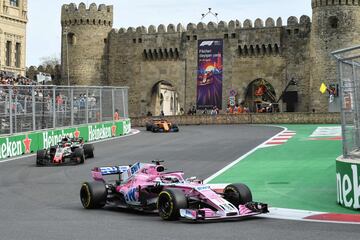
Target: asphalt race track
(43, 203)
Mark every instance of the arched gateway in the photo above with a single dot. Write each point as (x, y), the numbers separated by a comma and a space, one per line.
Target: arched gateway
(164, 98)
(260, 95)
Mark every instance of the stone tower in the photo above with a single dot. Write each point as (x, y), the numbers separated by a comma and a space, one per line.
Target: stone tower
(84, 43)
(335, 25)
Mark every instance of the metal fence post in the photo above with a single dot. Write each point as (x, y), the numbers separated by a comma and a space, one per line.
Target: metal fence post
(100, 102)
(54, 109)
(87, 106)
(123, 102)
(33, 108)
(356, 108)
(72, 106)
(113, 102)
(10, 109)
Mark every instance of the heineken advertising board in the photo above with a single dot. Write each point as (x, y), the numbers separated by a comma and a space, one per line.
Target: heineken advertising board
(347, 182)
(12, 146)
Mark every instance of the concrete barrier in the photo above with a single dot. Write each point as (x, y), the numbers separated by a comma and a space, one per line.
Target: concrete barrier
(248, 118)
(30, 142)
(347, 181)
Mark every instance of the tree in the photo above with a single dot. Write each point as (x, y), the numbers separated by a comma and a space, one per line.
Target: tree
(51, 61)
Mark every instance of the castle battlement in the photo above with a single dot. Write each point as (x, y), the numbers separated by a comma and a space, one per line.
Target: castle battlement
(212, 26)
(322, 3)
(72, 14)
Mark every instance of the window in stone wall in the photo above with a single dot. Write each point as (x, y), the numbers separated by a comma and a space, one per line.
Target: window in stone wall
(233, 35)
(195, 37)
(134, 40)
(71, 39)
(8, 53)
(14, 3)
(333, 22)
(226, 35)
(296, 31)
(17, 54)
(139, 40)
(188, 37)
(288, 32)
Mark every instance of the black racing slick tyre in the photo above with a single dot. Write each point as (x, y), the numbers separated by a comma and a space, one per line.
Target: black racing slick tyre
(40, 157)
(169, 203)
(237, 193)
(148, 127)
(79, 155)
(93, 194)
(155, 129)
(88, 150)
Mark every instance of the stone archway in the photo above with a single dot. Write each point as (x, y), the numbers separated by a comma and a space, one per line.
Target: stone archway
(164, 98)
(259, 95)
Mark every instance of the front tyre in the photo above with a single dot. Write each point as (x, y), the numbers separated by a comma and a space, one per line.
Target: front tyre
(88, 150)
(93, 195)
(79, 155)
(40, 157)
(237, 194)
(169, 203)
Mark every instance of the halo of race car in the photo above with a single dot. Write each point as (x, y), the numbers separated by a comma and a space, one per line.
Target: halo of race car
(67, 151)
(146, 187)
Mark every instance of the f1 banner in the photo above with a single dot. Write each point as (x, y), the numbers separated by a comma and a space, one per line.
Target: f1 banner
(210, 73)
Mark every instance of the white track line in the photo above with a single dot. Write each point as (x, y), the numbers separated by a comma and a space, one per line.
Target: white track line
(132, 132)
(241, 158)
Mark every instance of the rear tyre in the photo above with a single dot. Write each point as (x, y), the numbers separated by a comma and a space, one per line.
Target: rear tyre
(79, 155)
(93, 195)
(40, 157)
(88, 150)
(155, 129)
(169, 203)
(237, 193)
(175, 128)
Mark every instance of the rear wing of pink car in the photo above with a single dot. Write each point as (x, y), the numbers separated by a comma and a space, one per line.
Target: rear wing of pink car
(98, 172)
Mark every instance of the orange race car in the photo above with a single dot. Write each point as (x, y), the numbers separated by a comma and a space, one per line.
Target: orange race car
(161, 125)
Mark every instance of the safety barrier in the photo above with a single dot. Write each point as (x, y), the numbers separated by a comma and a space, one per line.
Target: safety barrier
(30, 142)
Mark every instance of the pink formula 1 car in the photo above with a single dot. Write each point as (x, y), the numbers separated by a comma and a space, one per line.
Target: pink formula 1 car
(146, 187)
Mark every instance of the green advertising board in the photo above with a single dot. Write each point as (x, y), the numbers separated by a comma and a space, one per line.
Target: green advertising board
(16, 145)
(347, 181)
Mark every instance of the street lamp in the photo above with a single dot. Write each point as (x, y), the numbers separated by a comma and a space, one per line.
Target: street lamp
(211, 13)
(66, 33)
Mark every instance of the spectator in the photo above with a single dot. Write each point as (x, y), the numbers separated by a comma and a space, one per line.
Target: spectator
(214, 111)
(205, 111)
(162, 113)
(116, 115)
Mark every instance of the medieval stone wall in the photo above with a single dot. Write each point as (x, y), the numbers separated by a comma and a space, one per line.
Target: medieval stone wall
(270, 50)
(84, 42)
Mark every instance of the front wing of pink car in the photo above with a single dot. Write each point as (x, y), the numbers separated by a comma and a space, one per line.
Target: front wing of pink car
(207, 214)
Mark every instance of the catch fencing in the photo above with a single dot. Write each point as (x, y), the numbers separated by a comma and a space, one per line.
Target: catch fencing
(34, 107)
(348, 66)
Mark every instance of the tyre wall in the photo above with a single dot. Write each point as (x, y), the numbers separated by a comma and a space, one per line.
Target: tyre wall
(30, 142)
(347, 181)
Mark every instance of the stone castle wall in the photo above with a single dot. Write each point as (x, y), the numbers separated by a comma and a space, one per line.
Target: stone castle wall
(84, 42)
(270, 50)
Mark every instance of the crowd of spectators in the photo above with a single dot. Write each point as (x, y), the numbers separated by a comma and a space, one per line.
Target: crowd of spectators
(7, 78)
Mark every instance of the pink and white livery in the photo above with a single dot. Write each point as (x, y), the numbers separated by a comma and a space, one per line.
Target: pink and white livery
(146, 187)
